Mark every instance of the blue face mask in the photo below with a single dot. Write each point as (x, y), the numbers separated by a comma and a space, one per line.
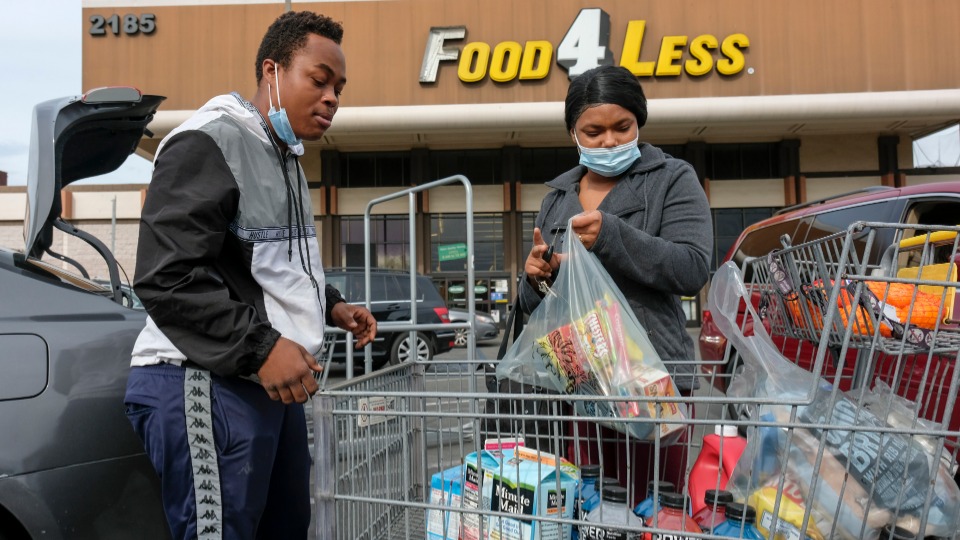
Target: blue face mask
(280, 122)
(609, 162)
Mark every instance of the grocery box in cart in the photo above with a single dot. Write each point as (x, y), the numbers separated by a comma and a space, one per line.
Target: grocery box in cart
(474, 466)
(523, 482)
(530, 483)
(446, 489)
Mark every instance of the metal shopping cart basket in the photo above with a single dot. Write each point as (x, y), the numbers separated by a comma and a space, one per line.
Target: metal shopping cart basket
(865, 439)
(409, 452)
(389, 447)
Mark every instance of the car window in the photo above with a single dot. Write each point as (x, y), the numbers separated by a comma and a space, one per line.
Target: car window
(380, 288)
(838, 220)
(938, 211)
(428, 290)
(339, 282)
(384, 287)
(930, 211)
(425, 289)
(762, 241)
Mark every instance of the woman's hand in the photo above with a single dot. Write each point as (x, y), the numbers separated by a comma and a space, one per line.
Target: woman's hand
(587, 227)
(536, 268)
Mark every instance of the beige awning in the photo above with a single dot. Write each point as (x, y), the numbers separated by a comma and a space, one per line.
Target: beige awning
(713, 119)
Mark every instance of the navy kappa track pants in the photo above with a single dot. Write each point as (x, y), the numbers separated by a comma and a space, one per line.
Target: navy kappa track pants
(233, 463)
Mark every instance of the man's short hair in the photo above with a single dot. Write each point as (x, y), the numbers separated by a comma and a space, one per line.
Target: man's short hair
(289, 33)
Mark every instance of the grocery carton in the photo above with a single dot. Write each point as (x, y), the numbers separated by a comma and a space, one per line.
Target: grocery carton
(446, 489)
(474, 466)
(503, 443)
(527, 484)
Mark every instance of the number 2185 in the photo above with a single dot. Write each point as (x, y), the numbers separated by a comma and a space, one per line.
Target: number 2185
(128, 24)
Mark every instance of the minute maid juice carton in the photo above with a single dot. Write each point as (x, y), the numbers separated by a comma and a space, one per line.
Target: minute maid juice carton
(529, 483)
(474, 466)
(446, 489)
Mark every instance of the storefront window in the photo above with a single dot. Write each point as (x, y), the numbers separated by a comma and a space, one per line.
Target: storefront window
(375, 169)
(389, 238)
(448, 237)
(481, 167)
(528, 220)
(743, 161)
(539, 165)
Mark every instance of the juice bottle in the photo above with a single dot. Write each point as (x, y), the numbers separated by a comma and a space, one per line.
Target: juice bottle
(714, 510)
(587, 495)
(740, 523)
(603, 521)
(672, 516)
(647, 507)
(719, 455)
(606, 481)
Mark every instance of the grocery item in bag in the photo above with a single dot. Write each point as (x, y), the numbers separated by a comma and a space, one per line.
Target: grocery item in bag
(892, 465)
(790, 514)
(592, 356)
(584, 340)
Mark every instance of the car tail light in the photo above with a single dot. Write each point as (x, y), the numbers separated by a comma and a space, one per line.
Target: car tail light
(443, 314)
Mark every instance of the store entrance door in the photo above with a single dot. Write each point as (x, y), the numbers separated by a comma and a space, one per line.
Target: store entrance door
(492, 294)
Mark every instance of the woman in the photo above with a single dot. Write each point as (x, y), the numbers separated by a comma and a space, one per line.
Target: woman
(647, 219)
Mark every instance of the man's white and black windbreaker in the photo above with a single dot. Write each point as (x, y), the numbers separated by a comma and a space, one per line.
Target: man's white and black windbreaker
(228, 259)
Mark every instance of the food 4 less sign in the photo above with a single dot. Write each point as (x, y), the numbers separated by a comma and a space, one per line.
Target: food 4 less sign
(585, 46)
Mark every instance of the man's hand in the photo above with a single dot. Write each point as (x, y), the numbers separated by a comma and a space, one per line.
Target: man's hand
(287, 374)
(355, 319)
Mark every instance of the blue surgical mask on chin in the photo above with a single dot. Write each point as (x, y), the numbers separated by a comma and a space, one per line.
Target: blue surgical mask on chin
(280, 122)
(609, 162)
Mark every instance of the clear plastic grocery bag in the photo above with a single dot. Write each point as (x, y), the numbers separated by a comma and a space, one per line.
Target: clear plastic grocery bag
(584, 340)
(843, 470)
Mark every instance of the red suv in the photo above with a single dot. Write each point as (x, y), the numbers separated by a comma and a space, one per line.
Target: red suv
(928, 204)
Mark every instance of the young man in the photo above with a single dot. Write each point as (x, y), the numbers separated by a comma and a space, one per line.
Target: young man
(229, 270)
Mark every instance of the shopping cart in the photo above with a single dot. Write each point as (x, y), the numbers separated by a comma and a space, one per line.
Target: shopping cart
(400, 453)
(879, 341)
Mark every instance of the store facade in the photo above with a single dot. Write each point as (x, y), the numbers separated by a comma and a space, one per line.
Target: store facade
(773, 103)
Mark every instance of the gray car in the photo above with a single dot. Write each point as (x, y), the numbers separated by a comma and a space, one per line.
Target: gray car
(70, 464)
(486, 327)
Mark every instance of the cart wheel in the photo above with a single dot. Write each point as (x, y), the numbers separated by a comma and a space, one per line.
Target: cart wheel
(403, 352)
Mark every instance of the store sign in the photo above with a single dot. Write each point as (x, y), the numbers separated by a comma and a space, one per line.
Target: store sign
(584, 46)
(456, 289)
(480, 289)
(451, 252)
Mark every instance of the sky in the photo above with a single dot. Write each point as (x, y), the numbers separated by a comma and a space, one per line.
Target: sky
(40, 41)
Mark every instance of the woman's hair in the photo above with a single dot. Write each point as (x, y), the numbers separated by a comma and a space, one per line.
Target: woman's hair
(605, 85)
(289, 33)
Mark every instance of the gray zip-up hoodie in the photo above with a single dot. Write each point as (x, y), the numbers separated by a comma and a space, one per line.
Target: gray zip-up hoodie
(228, 259)
(655, 242)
